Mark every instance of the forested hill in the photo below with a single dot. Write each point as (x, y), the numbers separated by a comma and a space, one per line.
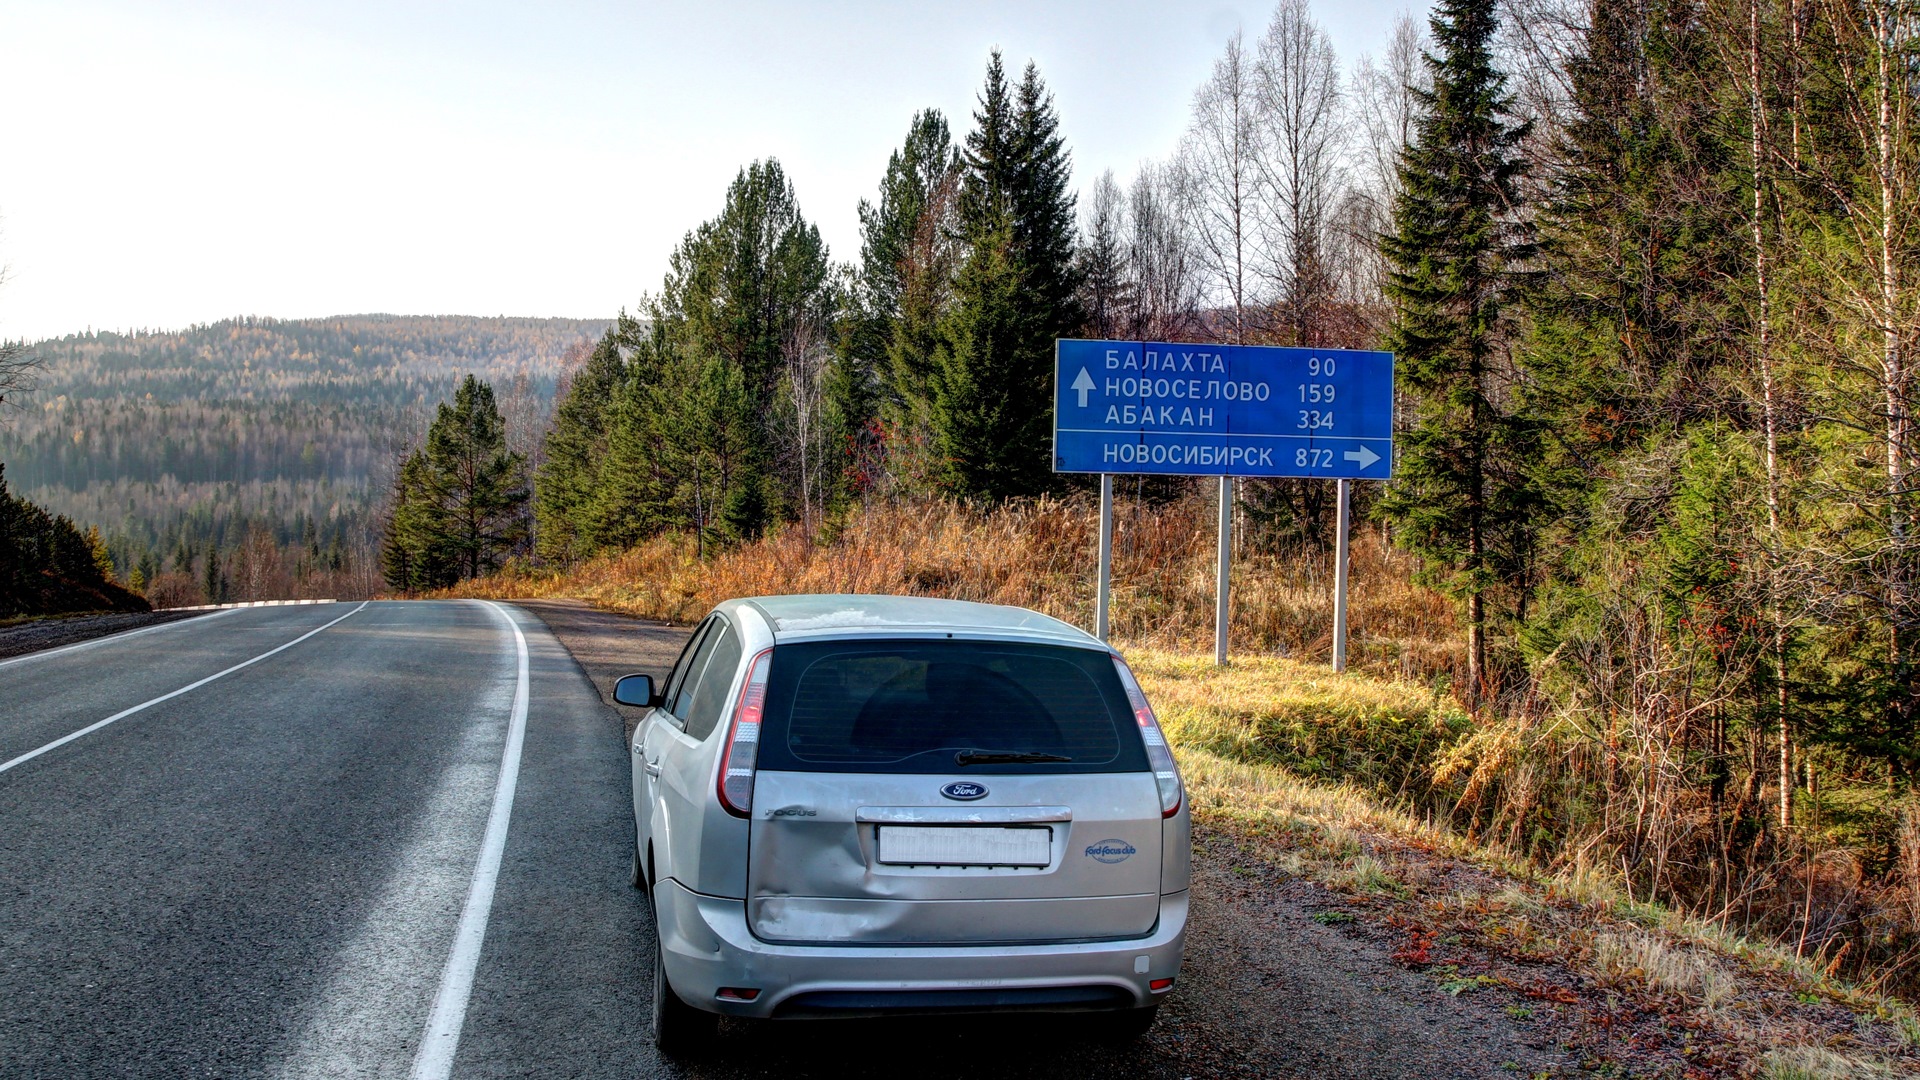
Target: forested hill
(181, 443)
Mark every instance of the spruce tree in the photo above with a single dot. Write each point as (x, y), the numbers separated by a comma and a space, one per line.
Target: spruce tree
(1460, 495)
(633, 487)
(413, 551)
(990, 400)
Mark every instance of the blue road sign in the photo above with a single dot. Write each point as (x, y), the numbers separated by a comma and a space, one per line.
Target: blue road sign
(1213, 410)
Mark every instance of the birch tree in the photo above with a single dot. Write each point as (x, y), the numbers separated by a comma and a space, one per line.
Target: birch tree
(1219, 161)
(1301, 171)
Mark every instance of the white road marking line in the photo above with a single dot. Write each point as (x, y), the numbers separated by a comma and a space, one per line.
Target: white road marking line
(442, 1036)
(124, 713)
(367, 1019)
(121, 636)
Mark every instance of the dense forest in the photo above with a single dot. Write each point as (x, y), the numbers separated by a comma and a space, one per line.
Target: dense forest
(245, 459)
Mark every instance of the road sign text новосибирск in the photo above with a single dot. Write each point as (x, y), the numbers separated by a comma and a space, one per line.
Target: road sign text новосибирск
(1213, 410)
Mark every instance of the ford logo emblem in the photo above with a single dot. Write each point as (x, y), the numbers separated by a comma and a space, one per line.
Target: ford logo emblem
(964, 790)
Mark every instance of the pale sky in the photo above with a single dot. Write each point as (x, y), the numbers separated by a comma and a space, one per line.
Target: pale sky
(179, 161)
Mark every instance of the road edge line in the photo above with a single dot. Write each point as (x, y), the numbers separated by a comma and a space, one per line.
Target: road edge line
(105, 638)
(441, 1038)
(124, 713)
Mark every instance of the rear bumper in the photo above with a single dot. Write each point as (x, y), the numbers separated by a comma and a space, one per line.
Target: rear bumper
(707, 946)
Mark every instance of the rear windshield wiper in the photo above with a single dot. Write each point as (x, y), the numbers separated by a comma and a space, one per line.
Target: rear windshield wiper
(1005, 757)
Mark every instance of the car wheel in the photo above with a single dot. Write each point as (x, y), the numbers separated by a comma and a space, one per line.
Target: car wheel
(637, 876)
(679, 1029)
(1127, 1025)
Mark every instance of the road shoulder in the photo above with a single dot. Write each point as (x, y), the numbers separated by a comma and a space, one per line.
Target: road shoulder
(52, 632)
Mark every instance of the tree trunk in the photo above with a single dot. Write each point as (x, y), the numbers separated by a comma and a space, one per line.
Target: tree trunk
(1768, 396)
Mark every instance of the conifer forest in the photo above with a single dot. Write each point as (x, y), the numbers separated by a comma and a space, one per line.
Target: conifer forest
(1650, 268)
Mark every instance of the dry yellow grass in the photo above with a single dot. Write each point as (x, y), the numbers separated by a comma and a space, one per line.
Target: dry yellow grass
(1041, 555)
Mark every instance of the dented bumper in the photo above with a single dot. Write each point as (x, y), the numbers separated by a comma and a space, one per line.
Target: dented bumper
(708, 946)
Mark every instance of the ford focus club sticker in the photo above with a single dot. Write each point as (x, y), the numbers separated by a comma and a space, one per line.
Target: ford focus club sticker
(1111, 851)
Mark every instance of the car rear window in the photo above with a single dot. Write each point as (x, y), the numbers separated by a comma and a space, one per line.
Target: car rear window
(914, 705)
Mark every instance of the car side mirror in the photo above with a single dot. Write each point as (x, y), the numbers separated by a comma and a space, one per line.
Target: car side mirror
(635, 690)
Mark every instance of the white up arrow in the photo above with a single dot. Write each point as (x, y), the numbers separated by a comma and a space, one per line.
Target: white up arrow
(1082, 384)
(1364, 456)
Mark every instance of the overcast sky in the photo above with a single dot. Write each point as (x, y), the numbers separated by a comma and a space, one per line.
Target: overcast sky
(168, 162)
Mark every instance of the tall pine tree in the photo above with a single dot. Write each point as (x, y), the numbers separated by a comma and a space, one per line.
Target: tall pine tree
(1461, 495)
(748, 288)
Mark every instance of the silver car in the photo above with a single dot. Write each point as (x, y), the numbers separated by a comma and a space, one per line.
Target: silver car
(877, 805)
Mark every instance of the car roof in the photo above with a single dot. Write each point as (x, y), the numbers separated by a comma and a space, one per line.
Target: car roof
(844, 615)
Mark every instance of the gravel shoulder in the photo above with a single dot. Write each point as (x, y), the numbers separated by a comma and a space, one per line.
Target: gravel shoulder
(1268, 990)
(34, 635)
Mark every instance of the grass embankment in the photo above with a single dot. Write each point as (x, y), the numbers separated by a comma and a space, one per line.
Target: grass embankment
(1301, 764)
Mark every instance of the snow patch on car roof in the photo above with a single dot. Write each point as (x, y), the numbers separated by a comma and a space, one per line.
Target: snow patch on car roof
(830, 620)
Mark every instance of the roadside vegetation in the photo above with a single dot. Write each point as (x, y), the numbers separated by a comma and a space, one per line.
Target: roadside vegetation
(49, 567)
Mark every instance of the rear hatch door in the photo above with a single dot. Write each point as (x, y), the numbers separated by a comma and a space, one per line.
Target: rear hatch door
(950, 792)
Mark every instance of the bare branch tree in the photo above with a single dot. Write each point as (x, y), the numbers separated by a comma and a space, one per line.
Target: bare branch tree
(1300, 174)
(17, 365)
(1166, 285)
(1107, 294)
(1219, 197)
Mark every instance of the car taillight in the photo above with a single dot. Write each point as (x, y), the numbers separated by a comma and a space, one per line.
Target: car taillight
(743, 739)
(1159, 756)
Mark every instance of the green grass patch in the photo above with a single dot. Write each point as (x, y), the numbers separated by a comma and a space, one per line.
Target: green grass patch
(1379, 735)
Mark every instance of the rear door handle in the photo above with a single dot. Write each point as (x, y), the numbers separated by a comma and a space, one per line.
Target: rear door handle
(651, 768)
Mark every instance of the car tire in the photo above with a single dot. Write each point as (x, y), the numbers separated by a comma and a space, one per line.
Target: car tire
(1127, 1025)
(637, 875)
(679, 1029)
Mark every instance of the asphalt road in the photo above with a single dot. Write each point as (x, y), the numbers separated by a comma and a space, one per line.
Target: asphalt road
(274, 872)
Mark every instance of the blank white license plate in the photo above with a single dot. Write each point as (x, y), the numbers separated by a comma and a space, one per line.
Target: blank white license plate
(936, 845)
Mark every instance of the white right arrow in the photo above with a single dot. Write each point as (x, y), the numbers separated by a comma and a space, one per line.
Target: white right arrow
(1364, 456)
(1083, 383)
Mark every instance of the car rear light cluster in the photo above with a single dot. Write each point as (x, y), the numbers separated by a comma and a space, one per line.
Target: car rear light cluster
(743, 739)
(1159, 756)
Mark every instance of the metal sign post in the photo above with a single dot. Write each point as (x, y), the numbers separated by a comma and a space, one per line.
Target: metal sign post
(1220, 410)
(1342, 532)
(1220, 591)
(1100, 604)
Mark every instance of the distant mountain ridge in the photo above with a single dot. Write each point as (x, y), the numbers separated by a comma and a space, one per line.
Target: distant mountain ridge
(191, 438)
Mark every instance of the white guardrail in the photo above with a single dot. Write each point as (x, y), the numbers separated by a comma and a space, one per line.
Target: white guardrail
(248, 603)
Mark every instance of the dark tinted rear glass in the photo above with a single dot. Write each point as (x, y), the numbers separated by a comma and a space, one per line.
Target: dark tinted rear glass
(912, 706)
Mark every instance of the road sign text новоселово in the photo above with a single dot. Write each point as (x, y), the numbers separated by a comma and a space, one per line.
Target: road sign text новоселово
(1212, 410)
